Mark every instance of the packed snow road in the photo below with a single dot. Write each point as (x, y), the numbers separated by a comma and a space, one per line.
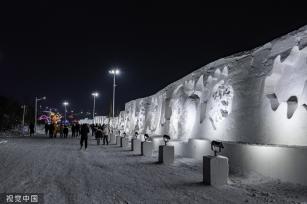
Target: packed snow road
(110, 174)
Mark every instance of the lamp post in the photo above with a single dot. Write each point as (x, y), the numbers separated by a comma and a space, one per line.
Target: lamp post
(23, 115)
(23, 118)
(94, 94)
(65, 103)
(35, 115)
(114, 72)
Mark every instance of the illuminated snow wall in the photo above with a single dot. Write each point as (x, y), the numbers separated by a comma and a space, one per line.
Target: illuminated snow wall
(257, 96)
(101, 120)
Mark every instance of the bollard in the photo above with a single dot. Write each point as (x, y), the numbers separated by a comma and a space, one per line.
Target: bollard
(166, 154)
(215, 170)
(147, 149)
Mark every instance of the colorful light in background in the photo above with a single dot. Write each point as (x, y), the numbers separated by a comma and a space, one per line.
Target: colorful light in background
(50, 117)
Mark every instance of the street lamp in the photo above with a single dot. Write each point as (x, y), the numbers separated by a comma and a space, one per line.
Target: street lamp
(94, 94)
(114, 72)
(35, 115)
(65, 103)
(23, 115)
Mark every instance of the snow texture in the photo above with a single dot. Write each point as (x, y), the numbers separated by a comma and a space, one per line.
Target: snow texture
(110, 174)
(258, 96)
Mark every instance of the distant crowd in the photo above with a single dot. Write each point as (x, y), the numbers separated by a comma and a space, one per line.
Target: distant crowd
(53, 130)
(101, 132)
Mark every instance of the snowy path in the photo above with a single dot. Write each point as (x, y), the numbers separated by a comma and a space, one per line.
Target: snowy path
(110, 174)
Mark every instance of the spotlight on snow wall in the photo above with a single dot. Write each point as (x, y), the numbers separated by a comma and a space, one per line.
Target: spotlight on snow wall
(258, 96)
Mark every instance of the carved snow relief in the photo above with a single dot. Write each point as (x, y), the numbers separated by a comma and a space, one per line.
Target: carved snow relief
(246, 97)
(217, 97)
(287, 83)
(189, 116)
(176, 106)
(140, 114)
(184, 106)
(152, 115)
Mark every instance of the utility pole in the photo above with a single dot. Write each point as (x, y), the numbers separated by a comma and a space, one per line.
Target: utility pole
(23, 115)
(35, 115)
(114, 72)
(94, 94)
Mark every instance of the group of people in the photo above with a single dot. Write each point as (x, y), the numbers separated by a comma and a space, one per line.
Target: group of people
(76, 130)
(101, 132)
(54, 129)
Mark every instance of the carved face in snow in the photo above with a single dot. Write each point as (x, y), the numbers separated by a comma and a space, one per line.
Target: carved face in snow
(152, 115)
(216, 97)
(127, 120)
(287, 83)
(130, 117)
(141, 117)
(121, 120)
(219, 105)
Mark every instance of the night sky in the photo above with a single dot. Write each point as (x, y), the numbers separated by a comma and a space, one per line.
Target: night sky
(64, 52)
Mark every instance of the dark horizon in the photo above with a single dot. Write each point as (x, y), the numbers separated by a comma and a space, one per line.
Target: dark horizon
(65, 53)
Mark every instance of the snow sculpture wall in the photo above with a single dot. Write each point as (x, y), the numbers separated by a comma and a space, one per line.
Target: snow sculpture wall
(101, 120)
(86, 121)
(140, 115)
(153, 115)
(287, 83)
(113, 122)
(220, 101)
(121, 121)
(258, 96)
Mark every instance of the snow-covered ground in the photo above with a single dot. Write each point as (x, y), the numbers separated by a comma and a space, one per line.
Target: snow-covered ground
(110, 174)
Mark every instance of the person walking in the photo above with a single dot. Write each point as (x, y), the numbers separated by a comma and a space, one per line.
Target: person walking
(61, 130)
(56, 129)
(92, 129)
(65, 131)
(98, 135)
(77, 129)
(51, 129)
(105, 134)
(46, 128)
(84, 132)
(31, 129)
(73, 130)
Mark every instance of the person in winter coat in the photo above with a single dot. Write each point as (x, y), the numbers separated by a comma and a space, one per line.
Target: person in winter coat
(105, 134)
(31, 129)
(51, 129)
(65, 131)
(46, 128)
(92, 129)
(56, 129)
(77, 129)
(61, 130)
(98, 135)
(84, 133)
(73, 130)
